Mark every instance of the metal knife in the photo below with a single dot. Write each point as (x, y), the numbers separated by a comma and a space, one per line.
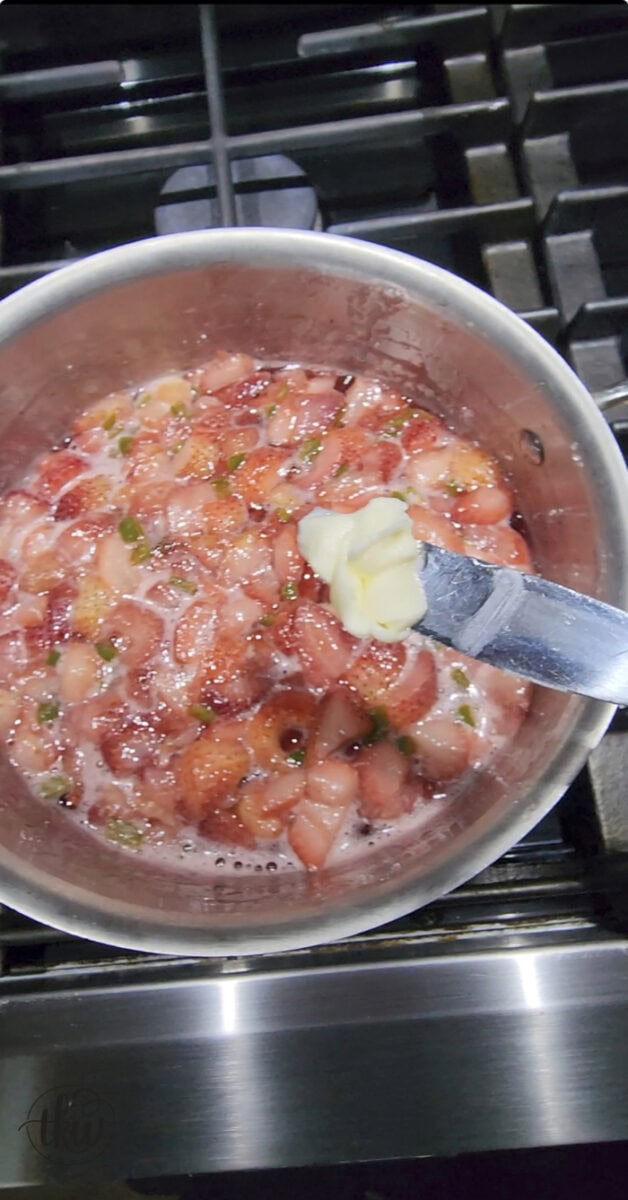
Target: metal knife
(526, 625)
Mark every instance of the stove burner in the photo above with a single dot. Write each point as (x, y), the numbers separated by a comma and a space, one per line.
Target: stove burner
(277, 201)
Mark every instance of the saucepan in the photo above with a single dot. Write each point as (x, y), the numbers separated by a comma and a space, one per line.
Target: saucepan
(120, 317)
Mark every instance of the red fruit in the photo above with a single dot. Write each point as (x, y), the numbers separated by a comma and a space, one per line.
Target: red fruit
(224, 826)
(421, 432)
(498, 544)
(7, 578)
(384, 774)
(130, 746)
(341, 721)
(401, 682)
(195, 632)
(281, 727)
(56, 470)
(483, 506)
(209, 772)
(313, 830)
(86, 496)
(247, 393)
(230, 680)
(136, 630)
(301, 415)
(260, 474)
(324, 648)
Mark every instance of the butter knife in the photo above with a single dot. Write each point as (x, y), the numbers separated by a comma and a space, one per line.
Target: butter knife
(526, 625)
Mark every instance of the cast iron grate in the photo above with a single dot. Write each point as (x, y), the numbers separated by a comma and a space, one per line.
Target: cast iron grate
(488, 139)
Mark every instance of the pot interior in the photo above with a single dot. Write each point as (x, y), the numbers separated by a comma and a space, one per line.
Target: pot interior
(452, 357)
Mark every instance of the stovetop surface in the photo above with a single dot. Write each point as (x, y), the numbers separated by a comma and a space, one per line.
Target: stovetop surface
(491, 141)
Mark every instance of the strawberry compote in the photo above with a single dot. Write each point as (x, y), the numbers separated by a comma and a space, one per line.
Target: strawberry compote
(169, 664)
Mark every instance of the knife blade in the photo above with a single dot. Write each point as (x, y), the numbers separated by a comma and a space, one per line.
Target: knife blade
(526, 625)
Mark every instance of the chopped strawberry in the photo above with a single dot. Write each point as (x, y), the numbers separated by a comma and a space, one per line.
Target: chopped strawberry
(194, 632)
(56, 470)
(223, 370)
(130, 746)
(43, 572)
(430, 526)
(230, 679)
(224, 826)
(301, 415)
(88, 495)
(483, 506)
(287, 558)
(384, 794)
(260, 474)
(313, 830)
(7, 579)
(280, 730)
(324, 648)
(264, 804)
(443, 747)
(136, 631)
(77, 543)
(209, 771)
(341, 722)
(498, 544)
(247, 393)
(198, 456)
(403, 683)
(91, 605)
(422, 430)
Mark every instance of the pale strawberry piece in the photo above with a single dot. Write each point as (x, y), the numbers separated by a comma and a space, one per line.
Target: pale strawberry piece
(56, 470)
(434, 527)
(403, 683)
(224, 369)
(341, 722)
(43, 572)
(260, 474)
(135, 630)
(130, 746)
(303, 415)
(384, 773)
(443, 746)
(78, 671)
(498, 544)
(281, 729)
(77, 543)
(230, 679)
(248, 393)
(88, 495)
(189, 508)
(264, 804)
(208, 772)
(8, 576)
(14, 656)
(94, 600)
(198, 456)
(333, 783)
(421, 432)
(195, 632)
(114, 565)
(10, 705)
(324, 648)
(225, 827)
(287, 558)
(314, 829)
(483, 506)
(33, 748)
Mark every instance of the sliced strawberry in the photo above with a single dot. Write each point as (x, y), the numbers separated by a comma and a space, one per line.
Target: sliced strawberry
(43, 572)
(443, 747)
(302, 415)
(77, 543)
(225, 826)
(341, 722)
(230, 679)
(136, 631)
(94, 600)
(483, 506)
(128, 748)
(56, 470)
(287, 558)
(88, 495)
(422, 431)
(313, 830)
(198, 456)
(195, 631)
(281, 728)
(429, 526)
(264, 804)
(223, 370)
(498, 544)
(7, 579)
(209, 771)
(324, 648)
(384, 772)
(386, 675)
(260, 474)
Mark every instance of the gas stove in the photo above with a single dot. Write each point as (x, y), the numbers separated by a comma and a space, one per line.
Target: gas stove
(492, 142)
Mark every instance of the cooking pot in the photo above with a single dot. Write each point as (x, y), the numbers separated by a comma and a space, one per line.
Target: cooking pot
(128, 314)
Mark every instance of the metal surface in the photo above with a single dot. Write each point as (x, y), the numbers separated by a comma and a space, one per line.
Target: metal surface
(521, 623)
(123, 316)
(464, 1050)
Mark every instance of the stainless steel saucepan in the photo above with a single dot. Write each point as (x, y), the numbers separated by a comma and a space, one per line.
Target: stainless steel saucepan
(123, 316)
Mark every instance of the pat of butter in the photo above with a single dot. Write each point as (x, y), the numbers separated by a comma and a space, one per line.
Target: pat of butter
(371, 561)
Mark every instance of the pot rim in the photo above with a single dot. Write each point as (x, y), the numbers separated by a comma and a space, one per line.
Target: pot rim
(72, 909)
